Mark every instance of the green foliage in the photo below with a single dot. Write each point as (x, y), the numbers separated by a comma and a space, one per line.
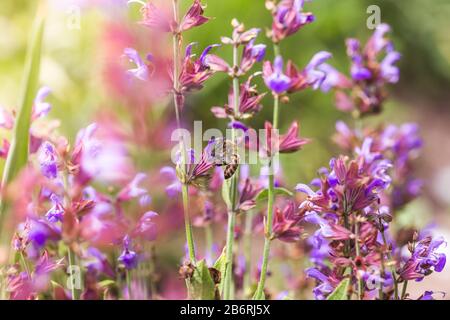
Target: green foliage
(220, 265)
(341, 291)
(201, 285)
(18, 152)
(262, 196)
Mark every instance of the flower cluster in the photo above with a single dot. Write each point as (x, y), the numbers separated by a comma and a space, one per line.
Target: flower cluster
(63, 209)
(364, 92)
(83, 213)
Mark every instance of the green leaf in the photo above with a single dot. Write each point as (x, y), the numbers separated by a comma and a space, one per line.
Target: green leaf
(201, 285)
(106, 283)
(264, 194)
(340, 293)
(221, 264)
(226, 193)
(18, 152)
(260, 296)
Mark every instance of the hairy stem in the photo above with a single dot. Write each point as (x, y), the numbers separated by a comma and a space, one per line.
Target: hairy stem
(233, 191)
(259, 294)
(71, 259)
(188, 224)
(405, 285)
(208, 241)
(128, 280)
(176, 88)
(392, 267)
(360, 288)
(248, 251)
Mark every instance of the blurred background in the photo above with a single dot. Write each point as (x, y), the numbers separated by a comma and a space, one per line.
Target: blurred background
(80, 49)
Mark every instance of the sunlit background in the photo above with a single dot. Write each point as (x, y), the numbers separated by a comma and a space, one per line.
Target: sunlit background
(77, 51)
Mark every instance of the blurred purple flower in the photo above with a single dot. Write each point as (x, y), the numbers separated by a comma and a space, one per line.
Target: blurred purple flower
(141, 71)
(48, 160)
(56, 212)
(146, 227)
(174, 187)
(274, 77)
(128, 258)
(288, 18)
(425, 259)
(40, 107)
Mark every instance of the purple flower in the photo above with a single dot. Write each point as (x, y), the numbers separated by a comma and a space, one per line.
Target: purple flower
(333, 79)
(6, 119)
(274, 77)
(133, 189)
(141, 71)
(56, 212)
(358, 71)
(389, 71)
(195, 72)
(199, 172)
(96, 261)
(429, 295)
(325, 285)
(425, 259)
(40, 107)
(378, 42)
(101, 156)
(48, 160)
(252, 53)
(146, 227)
(40, 231)
(128, 258)
(286, 226)
(174, 187)
(287, 143)
(238, 125)
(288, 18)
(249, 103)
(314, 75)
(193, 18)
(156, 18)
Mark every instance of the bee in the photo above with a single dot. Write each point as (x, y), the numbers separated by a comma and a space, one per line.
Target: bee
(225, 154)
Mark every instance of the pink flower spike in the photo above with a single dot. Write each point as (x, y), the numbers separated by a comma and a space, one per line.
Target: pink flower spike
(193, 18)
(6, 119)
(133, 190)
(289, 142)
(146, 227)
(156, 18)
(41, 108)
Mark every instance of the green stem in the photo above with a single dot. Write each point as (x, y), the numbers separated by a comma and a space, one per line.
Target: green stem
(383, 273)
(229, 256)
(208, 240)
(25, 264)
(276, 104)
(227, 288)
(248, 251)
(176, 88)
(391, 267)
(259, 294)
(188, 225)
(71, 259)
(128, 279)
(276, 49)
(359, 279)
(405, 285)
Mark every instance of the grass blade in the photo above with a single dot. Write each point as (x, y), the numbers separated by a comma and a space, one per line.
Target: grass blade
(18, 152)
(341, 291)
